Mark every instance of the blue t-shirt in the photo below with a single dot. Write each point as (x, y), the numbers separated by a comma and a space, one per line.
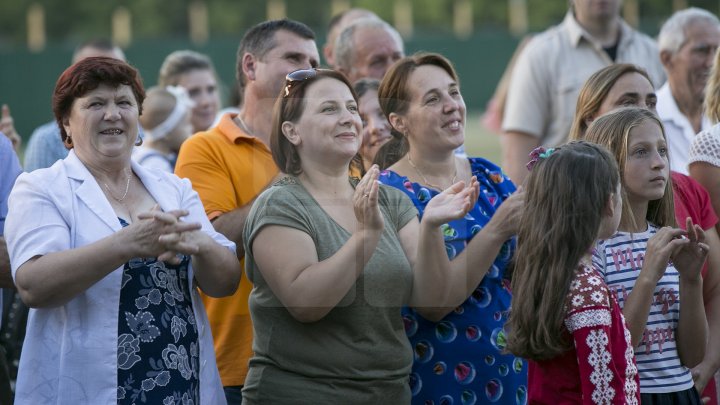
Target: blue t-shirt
(9, 170)
(459, 359)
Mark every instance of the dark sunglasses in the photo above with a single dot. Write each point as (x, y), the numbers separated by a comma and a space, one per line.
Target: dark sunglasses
(299, 76)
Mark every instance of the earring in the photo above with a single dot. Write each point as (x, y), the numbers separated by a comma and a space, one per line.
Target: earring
(139, 141)
(68, 142)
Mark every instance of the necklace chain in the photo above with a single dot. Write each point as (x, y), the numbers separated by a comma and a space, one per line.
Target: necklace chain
(243, 124)
(425, 178)
(127, 188)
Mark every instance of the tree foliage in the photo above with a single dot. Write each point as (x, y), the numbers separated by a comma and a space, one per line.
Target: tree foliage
(71, 20)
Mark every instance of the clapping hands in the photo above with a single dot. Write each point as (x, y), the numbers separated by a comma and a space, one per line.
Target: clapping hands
(453, 203)
(164, 235)
(365, 201)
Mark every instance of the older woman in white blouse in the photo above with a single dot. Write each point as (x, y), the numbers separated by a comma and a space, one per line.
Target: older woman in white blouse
(108, 254)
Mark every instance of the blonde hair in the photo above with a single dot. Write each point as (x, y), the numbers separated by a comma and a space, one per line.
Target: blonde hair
(595, 91)
(612, 130)
(712, 91)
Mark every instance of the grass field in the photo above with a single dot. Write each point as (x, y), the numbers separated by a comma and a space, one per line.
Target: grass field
(480, 141)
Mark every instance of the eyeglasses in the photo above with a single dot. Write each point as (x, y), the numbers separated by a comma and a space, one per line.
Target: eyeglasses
(300, 76)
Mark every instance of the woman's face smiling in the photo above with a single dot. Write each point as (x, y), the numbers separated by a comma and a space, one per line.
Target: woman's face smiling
(103, 123)
(376, 128)
(330, 127)
(435, 119)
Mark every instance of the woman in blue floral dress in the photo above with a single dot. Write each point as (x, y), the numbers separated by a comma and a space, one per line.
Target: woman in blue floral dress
(458, 357)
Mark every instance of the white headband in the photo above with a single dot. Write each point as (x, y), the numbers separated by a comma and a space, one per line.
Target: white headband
(183, 104)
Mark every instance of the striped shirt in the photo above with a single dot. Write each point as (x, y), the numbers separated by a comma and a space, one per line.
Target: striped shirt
(620, 259)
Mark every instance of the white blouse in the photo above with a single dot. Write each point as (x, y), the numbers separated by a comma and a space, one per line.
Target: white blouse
(70, 352)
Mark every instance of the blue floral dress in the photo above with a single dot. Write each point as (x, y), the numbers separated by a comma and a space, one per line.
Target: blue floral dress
(459, 360)
(157, 335)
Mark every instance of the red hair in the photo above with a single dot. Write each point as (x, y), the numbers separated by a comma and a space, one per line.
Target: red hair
(85, 76)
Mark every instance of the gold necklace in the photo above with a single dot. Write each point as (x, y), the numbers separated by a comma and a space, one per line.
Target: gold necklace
(127, 188)
(425, 178)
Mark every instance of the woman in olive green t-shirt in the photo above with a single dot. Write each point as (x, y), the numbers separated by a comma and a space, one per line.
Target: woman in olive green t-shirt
(333, 260)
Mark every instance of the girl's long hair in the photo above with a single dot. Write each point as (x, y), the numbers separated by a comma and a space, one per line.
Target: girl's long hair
(612, 130)
(566, 195)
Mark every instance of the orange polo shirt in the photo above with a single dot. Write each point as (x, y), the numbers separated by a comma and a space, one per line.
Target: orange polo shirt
(228, 168)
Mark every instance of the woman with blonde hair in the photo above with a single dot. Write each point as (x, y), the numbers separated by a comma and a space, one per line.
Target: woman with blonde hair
(196, 73)
(704, 162)
(622, 85)
(653, 267)
(615, 86)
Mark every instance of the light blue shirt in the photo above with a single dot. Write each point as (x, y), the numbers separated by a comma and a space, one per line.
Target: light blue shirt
(9, 170)
(45, 147)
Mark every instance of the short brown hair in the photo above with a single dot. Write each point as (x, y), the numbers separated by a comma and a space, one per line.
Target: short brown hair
(290, 107)
(85, 76)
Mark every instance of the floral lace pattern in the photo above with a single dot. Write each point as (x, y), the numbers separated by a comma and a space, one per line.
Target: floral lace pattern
(157, 335)
(631, 386)
(601, 375)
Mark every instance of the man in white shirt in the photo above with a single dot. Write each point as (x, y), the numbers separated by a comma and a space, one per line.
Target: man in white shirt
(687, 41)
(552, 68)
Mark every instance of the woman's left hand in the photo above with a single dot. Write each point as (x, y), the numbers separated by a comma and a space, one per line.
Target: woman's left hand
(690, 257)
(453, 203)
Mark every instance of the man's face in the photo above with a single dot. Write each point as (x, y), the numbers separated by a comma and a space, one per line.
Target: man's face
(291, 52)
(689, 67)
(375, 50)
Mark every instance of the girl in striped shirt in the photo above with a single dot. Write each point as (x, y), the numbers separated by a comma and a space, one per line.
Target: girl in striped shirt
(650, 264)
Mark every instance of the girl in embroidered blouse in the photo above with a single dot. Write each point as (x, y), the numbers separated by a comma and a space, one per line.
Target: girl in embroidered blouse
(650, 264)
(564, 319)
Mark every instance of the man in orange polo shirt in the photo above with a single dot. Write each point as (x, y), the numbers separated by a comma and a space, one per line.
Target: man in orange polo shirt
(230, 164)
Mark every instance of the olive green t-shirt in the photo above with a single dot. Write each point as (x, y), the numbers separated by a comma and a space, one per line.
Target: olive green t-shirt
(358, 353)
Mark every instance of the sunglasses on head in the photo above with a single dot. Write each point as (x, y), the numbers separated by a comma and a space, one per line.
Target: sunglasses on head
(299, 76)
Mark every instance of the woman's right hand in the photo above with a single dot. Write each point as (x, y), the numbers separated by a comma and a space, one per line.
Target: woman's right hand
(147, 233)
(365, 201)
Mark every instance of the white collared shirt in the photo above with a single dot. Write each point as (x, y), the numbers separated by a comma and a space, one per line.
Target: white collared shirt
(70, 352)
(552, 68)
(678, 129)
